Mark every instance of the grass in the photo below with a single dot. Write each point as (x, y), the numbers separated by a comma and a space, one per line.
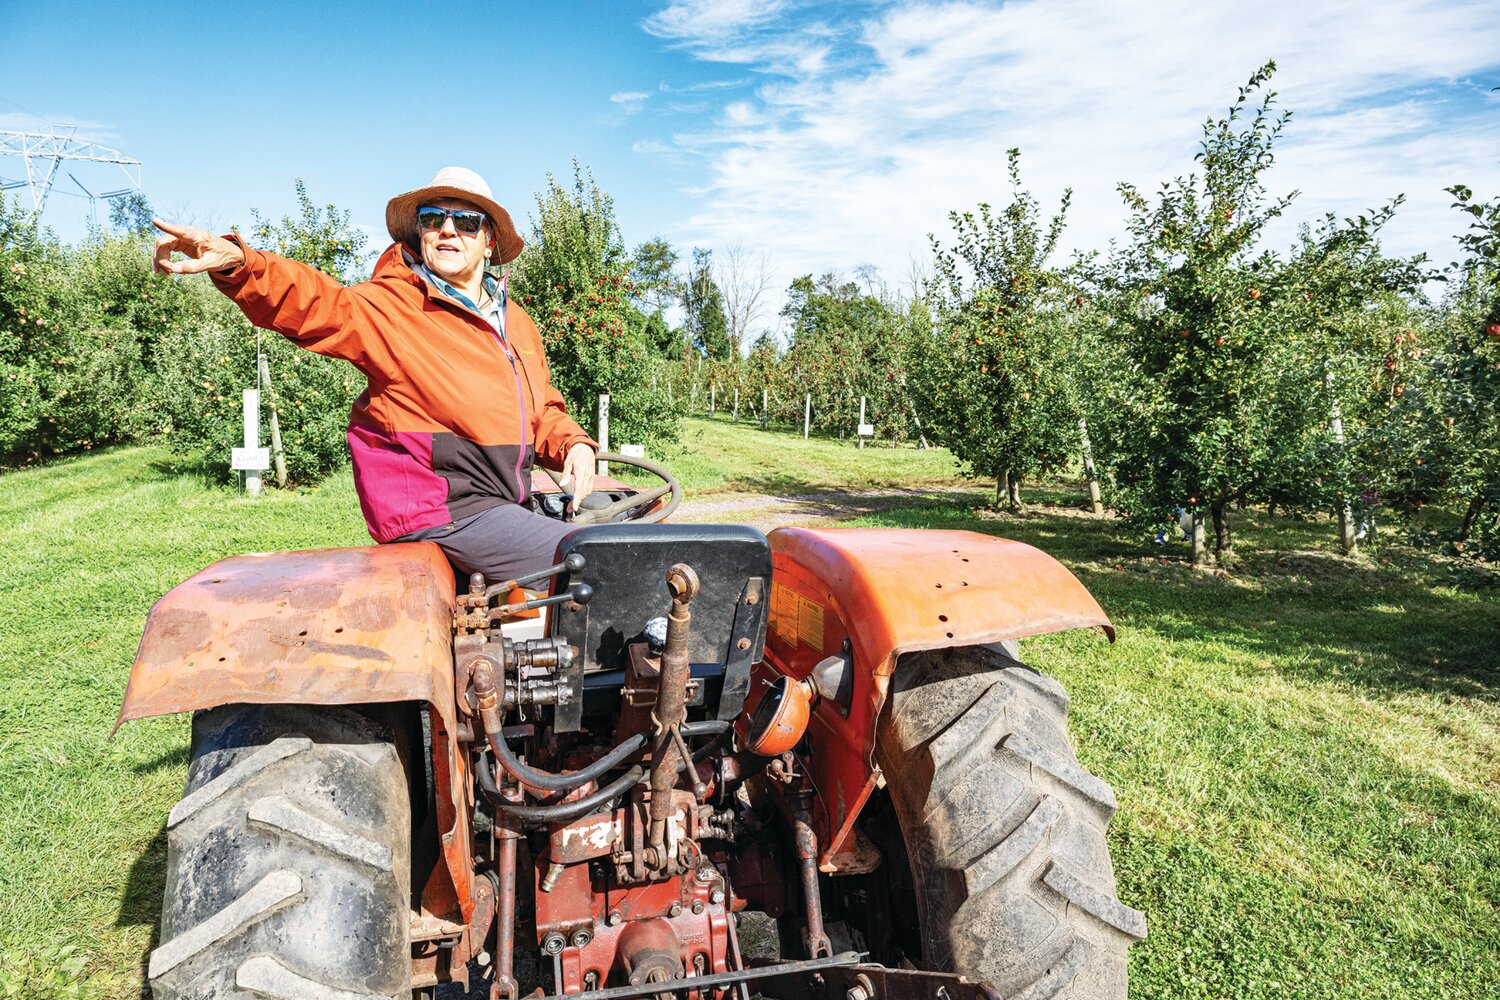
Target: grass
(1307, 753)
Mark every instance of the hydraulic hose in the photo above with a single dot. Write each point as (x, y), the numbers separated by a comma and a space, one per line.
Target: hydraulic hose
(564, 811)
(486, 680)
(566, 782)
(561, 811)
(486, 688)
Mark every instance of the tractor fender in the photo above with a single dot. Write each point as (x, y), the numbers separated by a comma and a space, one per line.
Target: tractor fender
(351, 626)
(873, 595)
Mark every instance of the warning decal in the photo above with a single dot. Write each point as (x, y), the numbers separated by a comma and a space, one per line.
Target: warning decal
(810, 622)
(794, 618)
(784, 613)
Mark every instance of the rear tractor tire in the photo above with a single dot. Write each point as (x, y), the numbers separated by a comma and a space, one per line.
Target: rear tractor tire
(1004, 830)
(288, 861)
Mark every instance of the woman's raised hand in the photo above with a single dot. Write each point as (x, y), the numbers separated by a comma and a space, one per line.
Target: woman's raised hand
(204, 250)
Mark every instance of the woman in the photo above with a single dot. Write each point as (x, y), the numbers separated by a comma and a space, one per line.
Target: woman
(459, 401)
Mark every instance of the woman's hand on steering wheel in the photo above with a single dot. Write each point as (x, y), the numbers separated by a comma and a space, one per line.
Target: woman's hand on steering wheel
(637, 506)
(578, 468)
(204, 250)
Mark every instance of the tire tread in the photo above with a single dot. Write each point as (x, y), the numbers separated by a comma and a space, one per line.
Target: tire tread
(1004, 829)
(310, 809)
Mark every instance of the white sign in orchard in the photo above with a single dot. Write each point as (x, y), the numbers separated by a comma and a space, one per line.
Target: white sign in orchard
(252, 458)
(249, 459)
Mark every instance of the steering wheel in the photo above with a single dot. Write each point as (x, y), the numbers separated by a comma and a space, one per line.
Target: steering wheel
(603, 515)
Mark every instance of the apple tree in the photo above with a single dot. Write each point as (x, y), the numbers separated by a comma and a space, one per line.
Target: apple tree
(574, 278)
(994, 371)
(1203, 324)
(1350, 342)
(1442, 444)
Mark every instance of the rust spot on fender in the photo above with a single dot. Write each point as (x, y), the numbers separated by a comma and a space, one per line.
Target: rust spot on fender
(372, 614)
(183, 628)
(314, 596)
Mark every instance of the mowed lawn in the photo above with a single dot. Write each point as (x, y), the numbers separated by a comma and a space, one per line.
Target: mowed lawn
(1306, 754)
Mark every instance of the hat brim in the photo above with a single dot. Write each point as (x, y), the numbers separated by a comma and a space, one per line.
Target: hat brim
(401, 217)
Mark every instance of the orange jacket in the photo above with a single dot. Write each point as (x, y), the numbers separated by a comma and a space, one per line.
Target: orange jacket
(453, 415)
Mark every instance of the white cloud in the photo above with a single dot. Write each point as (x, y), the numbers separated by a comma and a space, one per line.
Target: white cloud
(82, 129)
(635, 97)
(705, 22)
(690, 88)
(743, 32)
(864, 135)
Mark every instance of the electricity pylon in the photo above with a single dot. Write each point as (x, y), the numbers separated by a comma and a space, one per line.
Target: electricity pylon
(43, 153)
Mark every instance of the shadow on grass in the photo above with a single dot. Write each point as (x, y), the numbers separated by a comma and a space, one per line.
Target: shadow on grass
(1314, 615)
(211, 474)
(176, 757)
(140, 904)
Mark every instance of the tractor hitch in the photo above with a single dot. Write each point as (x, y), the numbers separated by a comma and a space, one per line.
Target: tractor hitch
(786, 970)
(873, 982)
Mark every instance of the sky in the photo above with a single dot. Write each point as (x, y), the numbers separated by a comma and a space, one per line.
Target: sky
(816, 136)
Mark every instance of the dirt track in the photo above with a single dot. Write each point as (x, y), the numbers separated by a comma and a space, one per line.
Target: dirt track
(765, 511)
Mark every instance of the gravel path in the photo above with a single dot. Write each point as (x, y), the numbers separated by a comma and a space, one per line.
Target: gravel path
(766, 511)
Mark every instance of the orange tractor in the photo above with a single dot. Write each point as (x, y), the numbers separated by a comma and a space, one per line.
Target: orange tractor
(575, 784)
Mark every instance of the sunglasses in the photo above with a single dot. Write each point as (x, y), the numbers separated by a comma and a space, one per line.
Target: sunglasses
(466, 221)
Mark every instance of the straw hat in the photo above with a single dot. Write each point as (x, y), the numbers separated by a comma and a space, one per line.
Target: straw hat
(465, 185)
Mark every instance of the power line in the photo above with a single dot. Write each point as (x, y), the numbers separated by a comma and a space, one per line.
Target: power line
(44, 152)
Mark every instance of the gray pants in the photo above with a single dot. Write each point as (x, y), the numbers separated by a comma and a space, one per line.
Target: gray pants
(503, 542)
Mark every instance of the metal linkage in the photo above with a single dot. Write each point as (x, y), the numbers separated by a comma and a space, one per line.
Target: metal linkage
(671, 710)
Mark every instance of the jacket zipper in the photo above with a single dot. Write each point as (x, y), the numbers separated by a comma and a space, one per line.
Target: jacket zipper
(525, 434)
(525, 429)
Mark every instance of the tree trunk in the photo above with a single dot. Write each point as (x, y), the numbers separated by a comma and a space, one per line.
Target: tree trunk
(1223, 541)
(1470, 516)
(1002, 487)
(1200, 548)
(1015, 492)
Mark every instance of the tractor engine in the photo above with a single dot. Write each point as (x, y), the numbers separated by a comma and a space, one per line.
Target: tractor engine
(606, 761)
(604, 914)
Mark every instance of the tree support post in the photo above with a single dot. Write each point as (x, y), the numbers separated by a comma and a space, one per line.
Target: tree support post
(1088, 467)
(807, 417)
(603, 467)
(278, 456)
(1200, 546)
(1346, 513)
